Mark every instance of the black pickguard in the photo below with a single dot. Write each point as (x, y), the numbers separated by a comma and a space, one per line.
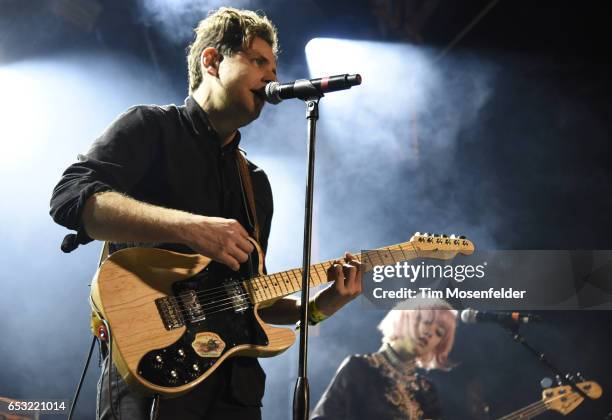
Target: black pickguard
(233, 320)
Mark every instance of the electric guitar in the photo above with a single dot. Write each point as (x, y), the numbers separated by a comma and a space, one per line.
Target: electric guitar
(562, 399)
(171, 319)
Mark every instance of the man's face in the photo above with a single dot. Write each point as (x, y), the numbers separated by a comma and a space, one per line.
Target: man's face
(243, 77)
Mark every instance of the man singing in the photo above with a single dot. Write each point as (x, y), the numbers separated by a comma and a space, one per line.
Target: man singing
(169, 177)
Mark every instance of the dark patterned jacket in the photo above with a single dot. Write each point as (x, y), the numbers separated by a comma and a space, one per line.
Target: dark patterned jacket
(368, 387)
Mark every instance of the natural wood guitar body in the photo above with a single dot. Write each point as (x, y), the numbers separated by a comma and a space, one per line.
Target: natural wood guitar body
(173, 318)
(125, 289)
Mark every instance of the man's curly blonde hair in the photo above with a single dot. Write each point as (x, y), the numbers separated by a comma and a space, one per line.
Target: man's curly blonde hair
(228, 30)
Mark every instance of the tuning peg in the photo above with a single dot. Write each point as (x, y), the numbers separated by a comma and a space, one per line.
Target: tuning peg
(558, 379)
(462, 237)
(580, 377)
(426, 234)
(444, 236)
(437, 235)
(546, 382)
(417, 234)
(452, 236)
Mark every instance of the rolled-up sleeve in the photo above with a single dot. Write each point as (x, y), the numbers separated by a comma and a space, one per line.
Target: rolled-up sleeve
(118, 160)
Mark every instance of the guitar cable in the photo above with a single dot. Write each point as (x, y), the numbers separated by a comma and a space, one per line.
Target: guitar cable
(103, 254)
(109, 360)
(155, 402)
(78, 390)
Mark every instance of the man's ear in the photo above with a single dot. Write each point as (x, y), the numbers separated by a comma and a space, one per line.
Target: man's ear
(210, 60)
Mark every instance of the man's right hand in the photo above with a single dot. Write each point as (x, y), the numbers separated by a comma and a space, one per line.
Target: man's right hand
(223, 240)
(111, 216)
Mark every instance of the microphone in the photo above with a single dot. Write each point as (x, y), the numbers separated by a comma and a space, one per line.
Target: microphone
(472, 316)
(303, 89)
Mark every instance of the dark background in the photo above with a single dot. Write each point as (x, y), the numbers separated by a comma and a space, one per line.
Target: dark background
(528, 170)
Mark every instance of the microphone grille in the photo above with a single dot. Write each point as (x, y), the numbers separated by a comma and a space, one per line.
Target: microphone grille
(271, 92)
(468, 316)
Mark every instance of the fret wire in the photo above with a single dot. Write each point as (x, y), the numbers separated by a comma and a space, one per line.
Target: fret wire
(403, 253)
(283, 285)
(279, 286)
(316, 271)
(414, 249)
(312, 271)
(381, 255)
(271, 280)
(298, 277)
(382, 259)
(372, 258)
(321, 275)
(365, 256)
(264, 287)
(293, 281)
(390, 253)
(249, 291)
(252, 284)
(287, 280)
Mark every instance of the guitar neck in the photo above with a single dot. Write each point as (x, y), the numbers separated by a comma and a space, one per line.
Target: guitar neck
(270, 287)
(527, 412)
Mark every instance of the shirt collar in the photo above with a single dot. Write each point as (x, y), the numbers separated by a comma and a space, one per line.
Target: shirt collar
(203, 128)
(394, 359)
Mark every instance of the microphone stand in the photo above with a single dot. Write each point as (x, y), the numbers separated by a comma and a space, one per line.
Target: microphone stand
(301, 393)
(567, 379)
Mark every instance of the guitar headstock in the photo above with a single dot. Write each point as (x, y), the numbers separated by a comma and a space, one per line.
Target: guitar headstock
(440, 246)
(564, 400)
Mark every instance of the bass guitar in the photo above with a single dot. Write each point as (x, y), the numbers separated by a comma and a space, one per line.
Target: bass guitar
(562, 399)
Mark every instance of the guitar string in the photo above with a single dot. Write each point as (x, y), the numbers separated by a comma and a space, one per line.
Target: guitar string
(539, 407)
(318, 271)
(542, 407)
(258, 280)
(222, 291)
(532, 408)
(229, 305)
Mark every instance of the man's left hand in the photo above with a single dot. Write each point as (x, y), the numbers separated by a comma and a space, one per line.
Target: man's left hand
(346, 286)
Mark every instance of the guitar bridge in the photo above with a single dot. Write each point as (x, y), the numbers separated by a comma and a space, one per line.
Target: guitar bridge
(170, 313)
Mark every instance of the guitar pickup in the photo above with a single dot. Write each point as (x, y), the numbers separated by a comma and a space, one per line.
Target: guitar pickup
(170, 313)
(194, 310)
(237, 296)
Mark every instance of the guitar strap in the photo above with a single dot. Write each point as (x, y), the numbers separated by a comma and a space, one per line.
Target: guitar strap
(247, 189)
(104, 252)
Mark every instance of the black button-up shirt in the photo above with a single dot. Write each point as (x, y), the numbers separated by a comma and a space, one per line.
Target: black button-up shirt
(169, 156)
